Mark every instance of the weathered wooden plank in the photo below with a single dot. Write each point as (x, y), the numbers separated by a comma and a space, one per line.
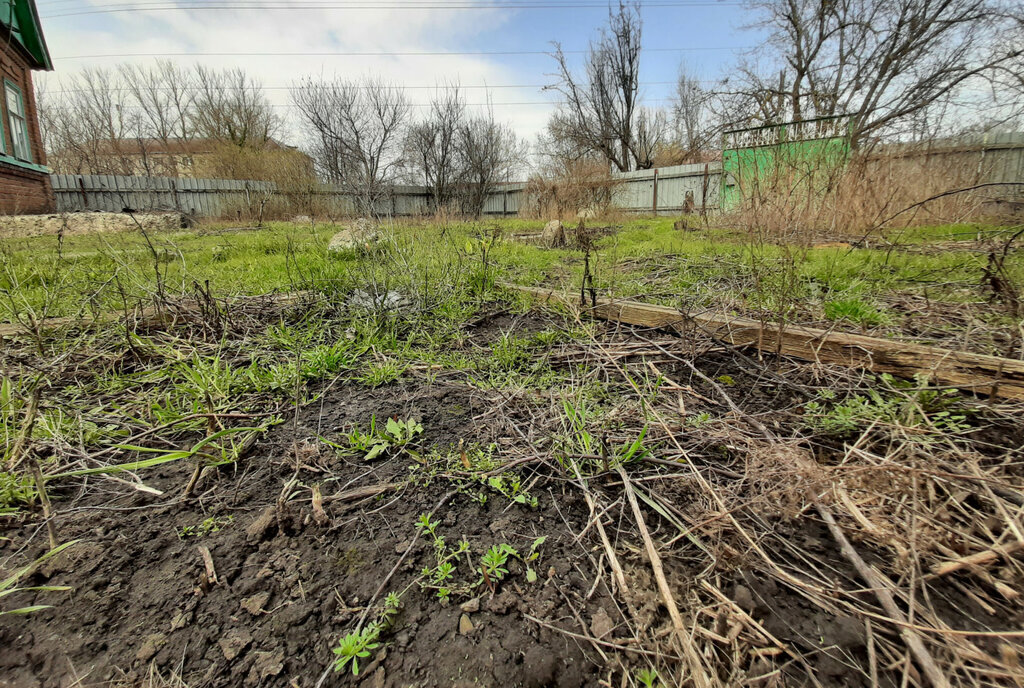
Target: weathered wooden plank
(989, 375)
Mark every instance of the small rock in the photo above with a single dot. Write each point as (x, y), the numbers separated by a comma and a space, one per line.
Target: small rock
(254, 604)
(742, 596)
(342, 241)
(553, 234)
(234, 643)
(471, 607)
(150, 646)
(266, 664)
(263, 523)
(390, 300)
(182, 619)
(465, 625)
(361, 235)
(601, 624)
(502, 602)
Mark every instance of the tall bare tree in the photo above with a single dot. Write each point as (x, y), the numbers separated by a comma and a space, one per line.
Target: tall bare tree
(356, 130)
(90, 125)
(600, 108)
(165, 95)
(141, 120)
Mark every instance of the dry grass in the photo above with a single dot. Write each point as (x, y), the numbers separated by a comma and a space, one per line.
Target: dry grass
(875, 190)
(563, 192)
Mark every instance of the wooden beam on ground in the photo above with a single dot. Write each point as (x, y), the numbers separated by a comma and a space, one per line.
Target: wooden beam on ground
(988, 375)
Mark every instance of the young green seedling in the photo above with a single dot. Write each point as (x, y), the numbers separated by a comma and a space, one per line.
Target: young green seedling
(492, 564)
(353, 646)
(396, 435)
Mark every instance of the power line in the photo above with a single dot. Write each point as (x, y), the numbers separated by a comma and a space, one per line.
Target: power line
(387, 53)
(391, 5)
(299, 87)
(426, 105)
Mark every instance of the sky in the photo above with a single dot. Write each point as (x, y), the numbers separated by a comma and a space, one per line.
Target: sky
(281, 41)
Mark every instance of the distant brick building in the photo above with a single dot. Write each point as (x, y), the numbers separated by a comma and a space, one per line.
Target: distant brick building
(197, 158)
(24, 178)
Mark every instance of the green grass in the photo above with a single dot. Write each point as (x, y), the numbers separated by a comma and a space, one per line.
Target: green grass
(644, 257)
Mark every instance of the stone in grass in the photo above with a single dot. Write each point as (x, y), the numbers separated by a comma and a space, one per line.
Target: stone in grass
(553, 234)
(386, 301)
(361, 235)
(465, 625)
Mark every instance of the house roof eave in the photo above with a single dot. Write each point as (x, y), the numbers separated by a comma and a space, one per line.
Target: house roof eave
(29, 33)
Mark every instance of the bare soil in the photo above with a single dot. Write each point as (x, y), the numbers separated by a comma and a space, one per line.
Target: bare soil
(287, 586)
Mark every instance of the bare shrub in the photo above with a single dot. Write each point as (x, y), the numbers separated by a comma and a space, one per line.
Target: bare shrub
(568, 187)
(356, 130)
(801, 201)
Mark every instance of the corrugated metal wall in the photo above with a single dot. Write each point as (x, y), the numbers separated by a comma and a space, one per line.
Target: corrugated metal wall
(664, 190)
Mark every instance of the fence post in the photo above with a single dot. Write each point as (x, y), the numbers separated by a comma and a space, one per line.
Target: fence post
(655, 202)
(81, 186)
(174, 194)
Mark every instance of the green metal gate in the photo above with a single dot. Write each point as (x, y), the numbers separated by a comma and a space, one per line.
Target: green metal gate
(805, 153)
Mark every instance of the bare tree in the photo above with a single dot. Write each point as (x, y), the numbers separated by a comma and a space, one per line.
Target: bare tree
(231, 107)
(651, 128)
(432, 146)
(886, 63)
(89, 125)
(355, 129)
(166, 97)
(692, 129)
(600, 108)
(143, 120)
(491, 153)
